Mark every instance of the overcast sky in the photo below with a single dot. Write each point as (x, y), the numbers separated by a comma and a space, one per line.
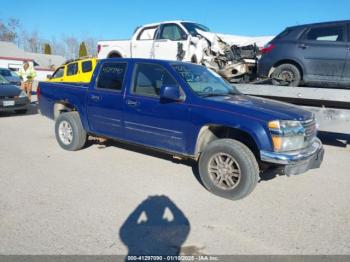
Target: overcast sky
(107, 19)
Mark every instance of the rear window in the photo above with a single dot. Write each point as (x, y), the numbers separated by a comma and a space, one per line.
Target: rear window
(111, 76)
(330, 33)
(86, 66)
(147, 33)
(283, 34)
(72, 69)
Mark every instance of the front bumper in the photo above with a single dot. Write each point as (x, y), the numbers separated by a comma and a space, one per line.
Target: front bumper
(297, 162)
(19, 104)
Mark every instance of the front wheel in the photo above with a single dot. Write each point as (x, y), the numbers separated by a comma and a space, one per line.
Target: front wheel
(69, 131)
(228, 169)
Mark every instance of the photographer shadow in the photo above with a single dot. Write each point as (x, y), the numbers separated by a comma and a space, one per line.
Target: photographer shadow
(156, 227)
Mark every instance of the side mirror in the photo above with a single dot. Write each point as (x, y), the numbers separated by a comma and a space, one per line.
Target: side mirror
(49, 76)
(170, 93)
(184, 36)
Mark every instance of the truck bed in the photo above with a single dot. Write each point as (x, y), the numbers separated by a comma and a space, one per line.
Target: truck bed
(68, 92)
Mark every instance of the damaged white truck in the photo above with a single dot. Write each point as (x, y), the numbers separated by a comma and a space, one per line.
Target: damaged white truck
(233, 57)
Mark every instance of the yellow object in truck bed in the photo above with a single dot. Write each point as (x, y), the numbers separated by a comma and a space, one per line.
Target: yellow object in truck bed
(75, 71)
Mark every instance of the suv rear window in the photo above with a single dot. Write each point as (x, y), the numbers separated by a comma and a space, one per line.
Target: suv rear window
(330, 33)
(72, 69)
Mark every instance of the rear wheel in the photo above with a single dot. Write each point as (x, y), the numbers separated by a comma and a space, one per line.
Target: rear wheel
(69, 131)
(228, 169)
(286, 75)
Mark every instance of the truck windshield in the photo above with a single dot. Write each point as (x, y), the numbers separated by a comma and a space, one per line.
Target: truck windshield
(204, 82)
(191, 28)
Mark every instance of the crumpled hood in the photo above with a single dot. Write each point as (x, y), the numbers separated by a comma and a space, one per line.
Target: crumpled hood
(8, 90)
(261, 108)
(260, 41)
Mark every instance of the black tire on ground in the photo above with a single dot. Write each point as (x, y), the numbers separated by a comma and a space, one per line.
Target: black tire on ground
(78, 134)
(21, 111)
(286, 71)
(247, 164)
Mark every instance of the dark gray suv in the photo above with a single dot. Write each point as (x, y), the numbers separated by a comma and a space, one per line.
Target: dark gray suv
(314, 54)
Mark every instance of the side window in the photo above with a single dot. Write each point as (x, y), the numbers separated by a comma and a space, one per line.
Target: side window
(172, 32)
(330, 33)
(72, 69)
(111, 76)
(147, 33)
(58, 73)
(86, 66)
(149, 78)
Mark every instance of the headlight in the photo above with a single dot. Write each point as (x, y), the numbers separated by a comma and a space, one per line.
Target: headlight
(22, 94)
(287, 135)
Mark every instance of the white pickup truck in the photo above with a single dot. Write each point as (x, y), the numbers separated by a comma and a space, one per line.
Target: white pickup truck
(233, 57)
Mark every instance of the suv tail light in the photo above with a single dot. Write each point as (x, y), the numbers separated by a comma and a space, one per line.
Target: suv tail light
(98, 48)
(268, 48)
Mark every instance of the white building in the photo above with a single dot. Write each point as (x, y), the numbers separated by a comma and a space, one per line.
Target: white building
(13, 58)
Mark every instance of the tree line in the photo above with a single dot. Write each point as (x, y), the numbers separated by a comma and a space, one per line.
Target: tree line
(70, 47)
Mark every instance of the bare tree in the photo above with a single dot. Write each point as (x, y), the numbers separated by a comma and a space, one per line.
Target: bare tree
(72, 47)
(91, 46)
(9, 30)
(34, 42)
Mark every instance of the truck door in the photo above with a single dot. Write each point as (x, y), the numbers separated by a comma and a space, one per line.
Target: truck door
(170, 43)
(147, 119)
(324, 51)
(142, 43)
(105, 100)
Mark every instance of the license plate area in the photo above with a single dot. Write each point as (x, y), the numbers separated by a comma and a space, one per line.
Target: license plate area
(8, 103)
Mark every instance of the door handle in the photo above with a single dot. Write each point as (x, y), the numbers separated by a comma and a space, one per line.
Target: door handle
(95, 98)
(131, 102)
(303, 46)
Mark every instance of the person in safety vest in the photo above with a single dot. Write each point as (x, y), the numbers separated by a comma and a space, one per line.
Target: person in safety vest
(27, 75)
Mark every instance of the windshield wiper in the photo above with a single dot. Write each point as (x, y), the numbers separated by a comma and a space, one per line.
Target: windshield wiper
(217, 94)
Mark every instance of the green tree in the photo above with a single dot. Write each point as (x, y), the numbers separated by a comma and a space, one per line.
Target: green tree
(47, 49)
(82, 50)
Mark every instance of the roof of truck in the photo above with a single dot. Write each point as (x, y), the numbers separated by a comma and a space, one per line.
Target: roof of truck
(168, 22)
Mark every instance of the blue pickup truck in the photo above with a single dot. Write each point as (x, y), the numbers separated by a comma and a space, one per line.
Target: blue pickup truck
(190, 112)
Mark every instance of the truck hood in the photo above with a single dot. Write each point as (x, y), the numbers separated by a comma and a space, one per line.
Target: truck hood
(8, 90)
(261, 108)
(260, 41)
(13, 79)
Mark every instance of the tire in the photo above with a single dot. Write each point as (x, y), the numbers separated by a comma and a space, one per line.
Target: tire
(21, 111)
(75, 136)
(245, 162)
(286, 71)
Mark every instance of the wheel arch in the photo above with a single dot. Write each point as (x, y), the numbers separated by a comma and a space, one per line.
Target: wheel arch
(209, 133)
(288, 61)
(114, 54)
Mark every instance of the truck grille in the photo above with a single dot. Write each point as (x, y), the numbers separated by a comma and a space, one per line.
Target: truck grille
(310, 129)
